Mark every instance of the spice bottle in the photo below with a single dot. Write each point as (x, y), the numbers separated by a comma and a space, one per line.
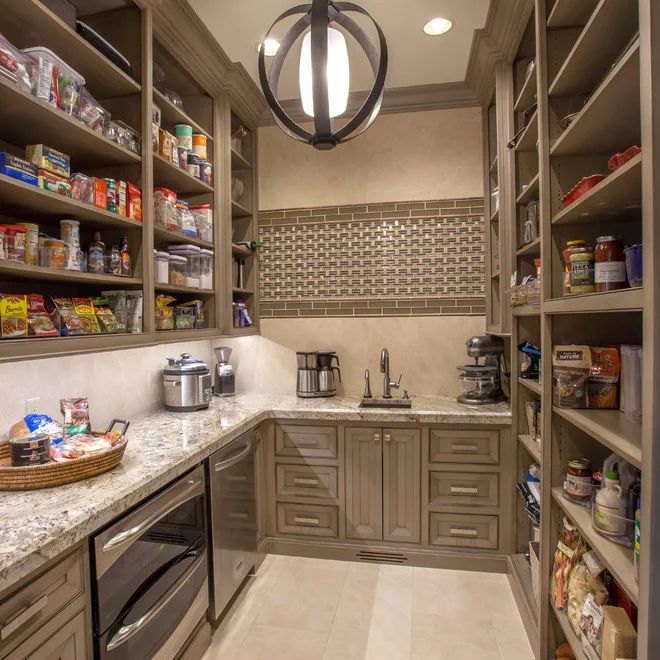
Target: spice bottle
(582, 269)
(125, 257)
(96, 256)
(610, 264)
(570, 246)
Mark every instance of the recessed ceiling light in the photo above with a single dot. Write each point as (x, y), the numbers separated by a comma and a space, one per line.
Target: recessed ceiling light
(271, 46)
(438, 26)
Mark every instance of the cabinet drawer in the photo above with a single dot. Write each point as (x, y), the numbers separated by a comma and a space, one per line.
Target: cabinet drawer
(474, 447)
(307, 519)
(27, 610)
(294, 441)
(463, 530)
(306, 481)
(463, 488)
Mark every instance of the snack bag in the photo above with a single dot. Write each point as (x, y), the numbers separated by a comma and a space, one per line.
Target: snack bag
(134, 303)
(76, 416)
(13, 316)
(571, 367)
(603, 385)
(71, 324)
(39, 321)
(105, 316)
(36, 423)
(164, 314)
(85, 310)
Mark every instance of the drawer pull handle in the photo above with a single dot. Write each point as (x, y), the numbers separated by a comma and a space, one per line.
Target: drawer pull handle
(465, 449)
(463, 531)
(301, 481)
(236, 477)
(238, 516)
(28, 613)
(306, 443)
(464, 490)
(304, 520)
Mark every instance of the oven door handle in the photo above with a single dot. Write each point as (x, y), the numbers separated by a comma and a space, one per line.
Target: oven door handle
(155, 510)
(125, 632)
(234, 458)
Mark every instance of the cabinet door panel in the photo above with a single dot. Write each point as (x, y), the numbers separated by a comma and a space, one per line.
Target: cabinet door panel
(401, 485)
(364, 484)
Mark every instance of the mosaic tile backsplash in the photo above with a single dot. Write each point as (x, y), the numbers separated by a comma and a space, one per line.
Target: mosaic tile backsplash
(394, 259)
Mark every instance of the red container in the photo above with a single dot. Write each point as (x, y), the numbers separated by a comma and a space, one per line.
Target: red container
(582, 186)
(620, 159)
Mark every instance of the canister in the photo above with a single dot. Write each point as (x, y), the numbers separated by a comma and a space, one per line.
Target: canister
(206, 172)
(182, 154)
(193, 164)
(3, 249)
(111, 196)
(55, 253)
(29, 450)
(199, 145)
(161, 266)
(192, 255)
(634, 264)
(184, 136)
(70, 234)
(31, 243)
(206, 269)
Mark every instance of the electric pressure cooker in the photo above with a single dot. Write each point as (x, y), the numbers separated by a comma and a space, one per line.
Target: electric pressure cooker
(188, 384)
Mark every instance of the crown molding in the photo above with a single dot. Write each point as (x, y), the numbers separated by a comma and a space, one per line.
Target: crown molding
(496, 41)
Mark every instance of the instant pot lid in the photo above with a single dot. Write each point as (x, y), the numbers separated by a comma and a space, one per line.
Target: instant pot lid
(186, 365)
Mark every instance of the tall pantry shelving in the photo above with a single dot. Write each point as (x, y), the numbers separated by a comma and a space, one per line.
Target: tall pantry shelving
(592, 58)
(142, 31)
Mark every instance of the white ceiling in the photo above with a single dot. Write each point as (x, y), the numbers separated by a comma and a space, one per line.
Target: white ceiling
(414, 57)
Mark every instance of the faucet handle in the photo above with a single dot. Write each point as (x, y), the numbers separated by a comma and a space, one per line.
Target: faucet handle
(396, 385)
(367, 385)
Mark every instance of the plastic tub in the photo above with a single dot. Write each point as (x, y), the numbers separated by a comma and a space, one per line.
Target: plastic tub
(192, 255)
(203, 215)
(206, 269)
(165, 209)
(177, 270)
(161, 267)
(63, 90)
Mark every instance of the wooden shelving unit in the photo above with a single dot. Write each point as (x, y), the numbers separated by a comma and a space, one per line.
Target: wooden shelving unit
(162, 68)
(589, 56)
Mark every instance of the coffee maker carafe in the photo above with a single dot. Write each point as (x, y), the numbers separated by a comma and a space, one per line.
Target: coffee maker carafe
(326, 369)
(224, 384)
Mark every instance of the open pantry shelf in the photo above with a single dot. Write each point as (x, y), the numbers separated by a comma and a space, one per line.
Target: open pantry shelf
(610, 429)
(166, 235)
(617, 196)
(579, 651)
(568, 13)
(171, 176)
(532, 447)
(173, 114)
(25, 119)
(526, 310)
(241, 251)
(532, 249)
(527, 93)
(624, 300)
(531, 191)
(194, 290)
(21, 271)
(26, 22)
(617, 558)
(239, 162)
(531, 385)
(528, 139)
(239, 211)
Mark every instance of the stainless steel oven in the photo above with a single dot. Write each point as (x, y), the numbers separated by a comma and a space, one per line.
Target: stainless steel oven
(150, 575)
(233, 519)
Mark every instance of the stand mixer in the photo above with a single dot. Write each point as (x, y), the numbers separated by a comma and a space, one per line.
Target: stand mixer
(481, 383)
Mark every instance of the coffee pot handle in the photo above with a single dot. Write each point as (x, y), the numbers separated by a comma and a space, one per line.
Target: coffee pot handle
(338, 372)
(336, 357)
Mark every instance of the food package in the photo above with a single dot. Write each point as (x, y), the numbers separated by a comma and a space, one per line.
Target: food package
(121, 198)
(197, 306)
(49, 159)
(564, 652)
(591, 621)
(186, 221)
(603, 385)
(167, 146)
(619, 635)
(134, 301)
(82, 188)
(570, 549)
(100, 193)
(578, 588)
(133, 202)
(91, 113)
(164, 314)
(155, 137)
(184, 318)
(84, 444)
(54, 183)
(571, 366)
(85, 311)
(76, 416)
(70, 323)
(15, 66)
(36, 424)
(105, 316)
(18, 168)
(40, 322)
(13, 316)
(127, 137)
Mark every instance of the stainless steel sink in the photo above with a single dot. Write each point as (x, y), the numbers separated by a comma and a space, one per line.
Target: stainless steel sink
(386, 403)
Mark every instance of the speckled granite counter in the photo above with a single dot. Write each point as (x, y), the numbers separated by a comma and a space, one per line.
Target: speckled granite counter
(37, 526)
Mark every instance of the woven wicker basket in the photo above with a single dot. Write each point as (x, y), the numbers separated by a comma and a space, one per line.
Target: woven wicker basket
(52, 474)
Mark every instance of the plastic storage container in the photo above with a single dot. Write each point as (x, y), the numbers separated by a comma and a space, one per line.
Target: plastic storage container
(165, 209)
(161, 267)
(192, 255)
(177, 270)
(203, 215)
(634, 264)
(206, 269)
(54, 81)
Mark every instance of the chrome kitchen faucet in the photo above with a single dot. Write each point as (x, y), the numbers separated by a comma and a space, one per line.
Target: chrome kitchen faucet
(385, 369)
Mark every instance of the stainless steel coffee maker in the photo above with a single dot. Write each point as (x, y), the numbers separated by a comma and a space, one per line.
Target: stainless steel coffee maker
(316, 374)
(224, 382)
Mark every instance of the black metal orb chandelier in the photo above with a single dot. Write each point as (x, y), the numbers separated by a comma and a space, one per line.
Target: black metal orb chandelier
(324, 72)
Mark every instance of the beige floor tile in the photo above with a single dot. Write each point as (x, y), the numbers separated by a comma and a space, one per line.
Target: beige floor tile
(347, 643)
(273, 643)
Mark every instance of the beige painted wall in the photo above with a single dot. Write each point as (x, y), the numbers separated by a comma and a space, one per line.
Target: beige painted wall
(407, 156)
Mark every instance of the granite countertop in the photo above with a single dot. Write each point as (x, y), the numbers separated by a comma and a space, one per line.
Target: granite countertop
(36, 526)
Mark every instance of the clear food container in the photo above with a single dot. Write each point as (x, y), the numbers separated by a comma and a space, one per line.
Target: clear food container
(206, 269)
(192, 255)
(177, 270)
(161, 267)
(166, 215)
(203, 215)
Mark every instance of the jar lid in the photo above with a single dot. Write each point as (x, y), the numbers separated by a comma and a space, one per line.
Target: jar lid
(581, 249)
(161, 255)
(606, 239)
(175, 249)
(18, 228)
(54, 242)
(206, 252)
(580, 463)
(177, 259)
(612, 475)
(199, 207)
(186, 365)
(575, 243)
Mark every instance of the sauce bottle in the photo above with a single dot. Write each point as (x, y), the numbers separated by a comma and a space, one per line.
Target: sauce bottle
(96, 256)
(610, 264)
(125, 257)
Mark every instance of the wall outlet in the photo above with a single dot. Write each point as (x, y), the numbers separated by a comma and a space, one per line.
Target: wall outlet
(32, 405)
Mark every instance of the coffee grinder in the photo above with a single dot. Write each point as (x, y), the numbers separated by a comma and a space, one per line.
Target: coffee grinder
(224, 382)
(481, 383)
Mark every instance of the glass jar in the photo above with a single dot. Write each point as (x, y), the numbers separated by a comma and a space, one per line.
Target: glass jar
(31, 243)
(161, 267)
(578, 484)
(582, 270)
(165, 209)
(206, 269)
(192, 255)
(55, 253)
(610, 264)
(177, 270)
(570, 246)
(15, 237)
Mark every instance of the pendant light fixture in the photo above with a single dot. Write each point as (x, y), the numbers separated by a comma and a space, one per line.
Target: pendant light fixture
(324, 72)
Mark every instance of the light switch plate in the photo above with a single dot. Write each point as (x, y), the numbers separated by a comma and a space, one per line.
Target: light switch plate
(32, 405)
